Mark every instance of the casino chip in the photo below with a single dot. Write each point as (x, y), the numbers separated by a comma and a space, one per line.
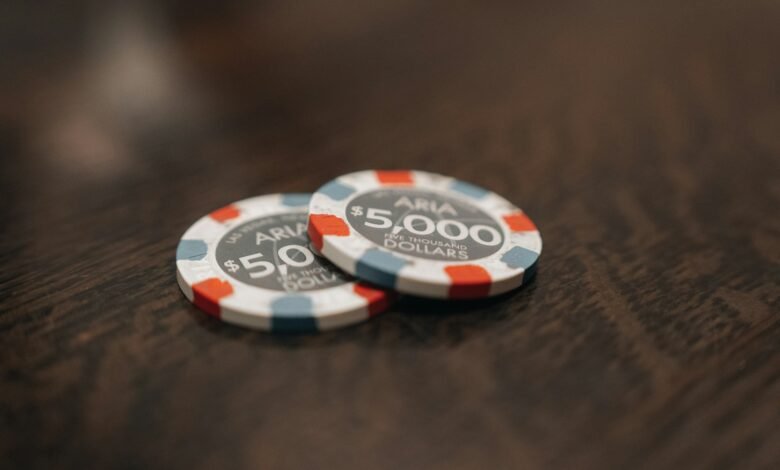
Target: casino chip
(250, 263)
(424, 234)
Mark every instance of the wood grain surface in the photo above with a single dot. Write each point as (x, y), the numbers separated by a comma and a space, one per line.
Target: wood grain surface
(642, 137)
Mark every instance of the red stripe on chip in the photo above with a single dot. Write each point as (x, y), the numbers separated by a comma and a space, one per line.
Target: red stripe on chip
(394, 177)
(323, 224)
(519, 222)
(208, 293)
(378, 300)
(224, 214)
(468, 281)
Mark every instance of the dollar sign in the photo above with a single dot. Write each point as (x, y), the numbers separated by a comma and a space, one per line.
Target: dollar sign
(231, 265)
(357, 211)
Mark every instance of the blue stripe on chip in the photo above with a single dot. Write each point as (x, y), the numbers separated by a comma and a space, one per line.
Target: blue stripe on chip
(379, 267)
(193, 250)
(529, 273)
(468, 189)
(296, 199)
(519, 257)
(292, 313)
(336, 190)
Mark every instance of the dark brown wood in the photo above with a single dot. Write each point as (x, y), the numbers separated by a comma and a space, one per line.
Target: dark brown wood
(642, 137)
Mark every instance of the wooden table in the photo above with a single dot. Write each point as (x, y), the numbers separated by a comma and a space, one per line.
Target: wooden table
(642, 137)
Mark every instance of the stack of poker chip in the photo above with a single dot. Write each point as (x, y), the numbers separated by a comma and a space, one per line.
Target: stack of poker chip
(310, 262)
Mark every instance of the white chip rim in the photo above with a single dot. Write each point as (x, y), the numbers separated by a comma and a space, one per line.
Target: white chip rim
(418, 276)
(198, 274)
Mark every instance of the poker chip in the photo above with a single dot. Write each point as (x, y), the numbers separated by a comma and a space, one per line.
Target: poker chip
(250, 263)
(424, 234)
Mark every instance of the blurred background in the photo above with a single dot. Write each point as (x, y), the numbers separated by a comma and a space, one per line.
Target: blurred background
(105, 92)
(642, 137)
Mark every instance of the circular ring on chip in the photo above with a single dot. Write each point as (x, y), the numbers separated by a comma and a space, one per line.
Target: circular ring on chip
(424, 234)
(250, 263)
